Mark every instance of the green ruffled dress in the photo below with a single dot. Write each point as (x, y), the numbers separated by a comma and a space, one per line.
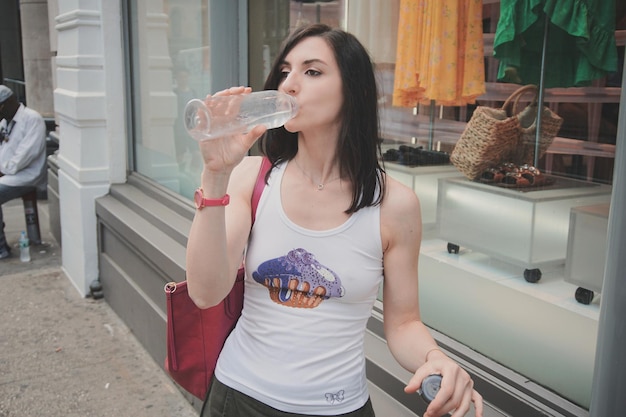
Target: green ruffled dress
(580, 48)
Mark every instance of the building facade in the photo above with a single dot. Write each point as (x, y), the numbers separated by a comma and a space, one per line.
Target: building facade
(125, 172)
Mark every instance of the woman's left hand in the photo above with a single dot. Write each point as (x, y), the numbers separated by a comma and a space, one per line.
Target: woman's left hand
(457, 391)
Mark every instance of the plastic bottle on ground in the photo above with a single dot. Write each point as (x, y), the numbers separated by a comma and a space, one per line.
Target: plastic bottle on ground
(24, 248)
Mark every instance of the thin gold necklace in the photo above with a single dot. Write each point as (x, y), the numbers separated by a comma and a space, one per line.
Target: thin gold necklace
(318, 185)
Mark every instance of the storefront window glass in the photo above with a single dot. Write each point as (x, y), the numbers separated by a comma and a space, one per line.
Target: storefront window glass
(170, 65)
(500, 267)
(512, 272)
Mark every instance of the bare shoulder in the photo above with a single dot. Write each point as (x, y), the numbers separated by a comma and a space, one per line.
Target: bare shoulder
(400, 211)
(399, 199)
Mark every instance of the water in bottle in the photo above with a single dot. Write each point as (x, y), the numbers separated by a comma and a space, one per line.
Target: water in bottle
(225, 115)
(24, 248)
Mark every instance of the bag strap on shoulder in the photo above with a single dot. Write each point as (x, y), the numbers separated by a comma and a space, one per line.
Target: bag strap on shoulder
(259, 185)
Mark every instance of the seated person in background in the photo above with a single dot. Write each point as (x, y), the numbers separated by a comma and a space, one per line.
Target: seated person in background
(22, 153)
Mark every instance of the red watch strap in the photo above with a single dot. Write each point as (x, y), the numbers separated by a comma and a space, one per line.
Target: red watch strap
(209, 202)
(256, 193)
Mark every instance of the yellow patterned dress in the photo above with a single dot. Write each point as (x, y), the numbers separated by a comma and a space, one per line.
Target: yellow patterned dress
(439, 53)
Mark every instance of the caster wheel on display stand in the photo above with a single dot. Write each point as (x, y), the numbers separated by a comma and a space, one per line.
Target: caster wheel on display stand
(453, 248)
(532, 275)
(584, 296)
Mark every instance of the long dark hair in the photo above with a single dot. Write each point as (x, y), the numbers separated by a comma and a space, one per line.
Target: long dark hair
(358, 148)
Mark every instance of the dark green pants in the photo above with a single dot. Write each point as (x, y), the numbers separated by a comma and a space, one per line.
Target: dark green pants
(223, 401)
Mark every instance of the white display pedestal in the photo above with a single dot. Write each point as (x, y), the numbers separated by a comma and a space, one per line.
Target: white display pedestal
(538, 329)
(525, 227)
(586, 250)
(424, 180)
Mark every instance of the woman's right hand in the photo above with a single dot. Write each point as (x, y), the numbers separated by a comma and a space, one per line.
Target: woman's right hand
(222, 154)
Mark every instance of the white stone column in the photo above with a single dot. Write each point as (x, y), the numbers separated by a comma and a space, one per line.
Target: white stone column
(53, 11)
(36, 55)
(89, 103)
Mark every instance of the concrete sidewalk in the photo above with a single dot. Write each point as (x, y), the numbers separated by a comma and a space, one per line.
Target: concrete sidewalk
(65, 355)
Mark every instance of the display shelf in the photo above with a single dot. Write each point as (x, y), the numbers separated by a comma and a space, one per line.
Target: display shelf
(586, 250)
(525, 227)
(539, 330)
(424, 180)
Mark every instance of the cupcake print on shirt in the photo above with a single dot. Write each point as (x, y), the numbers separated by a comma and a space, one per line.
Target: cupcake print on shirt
(298, 280)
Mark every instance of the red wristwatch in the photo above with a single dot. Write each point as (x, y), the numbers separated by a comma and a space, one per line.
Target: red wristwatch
(202, 202)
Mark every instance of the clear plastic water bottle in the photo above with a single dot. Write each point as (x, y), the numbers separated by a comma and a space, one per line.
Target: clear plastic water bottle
(24, 248)
(225, 115)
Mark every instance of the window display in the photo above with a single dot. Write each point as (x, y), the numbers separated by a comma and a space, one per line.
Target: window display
(526, 228)
(505, 231)
(509, 246)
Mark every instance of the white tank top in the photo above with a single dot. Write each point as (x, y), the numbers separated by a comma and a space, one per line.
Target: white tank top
(298, 345)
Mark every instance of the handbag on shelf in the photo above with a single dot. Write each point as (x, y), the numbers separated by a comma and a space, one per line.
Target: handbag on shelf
(551, 122)
(498, 135)
(195, 337)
